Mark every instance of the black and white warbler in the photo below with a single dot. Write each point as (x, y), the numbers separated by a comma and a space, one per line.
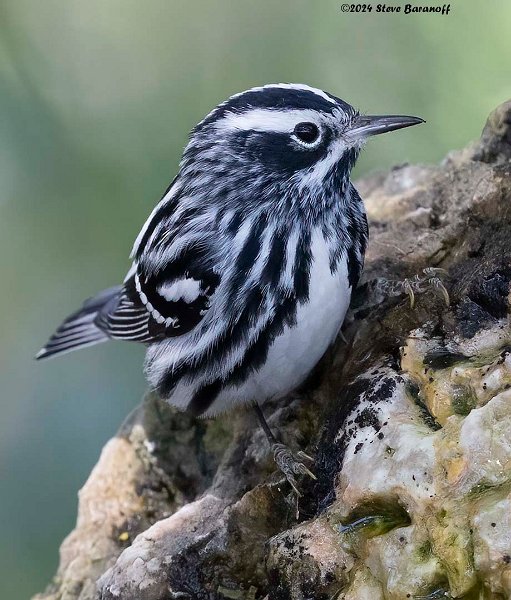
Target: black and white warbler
(243, 272)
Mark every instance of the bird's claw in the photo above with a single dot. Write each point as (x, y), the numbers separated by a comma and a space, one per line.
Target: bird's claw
(291, 465)
(429, 279)
(436, 283)
(343, 337)
(301, 454)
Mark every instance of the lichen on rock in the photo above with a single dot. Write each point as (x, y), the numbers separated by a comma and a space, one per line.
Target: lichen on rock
(409, 423)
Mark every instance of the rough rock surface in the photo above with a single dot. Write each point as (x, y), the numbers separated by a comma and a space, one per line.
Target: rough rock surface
(409, 424)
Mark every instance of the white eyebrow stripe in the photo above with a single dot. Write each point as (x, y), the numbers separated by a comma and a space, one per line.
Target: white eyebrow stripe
(267, 119)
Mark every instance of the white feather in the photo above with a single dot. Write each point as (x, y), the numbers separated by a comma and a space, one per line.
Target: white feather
(184, 289)
(267, 119)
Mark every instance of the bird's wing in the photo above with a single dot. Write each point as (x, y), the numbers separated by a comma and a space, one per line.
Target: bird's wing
(169, 288)
(161, 302)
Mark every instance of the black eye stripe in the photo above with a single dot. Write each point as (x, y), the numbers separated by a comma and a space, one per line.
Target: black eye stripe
(306, 132)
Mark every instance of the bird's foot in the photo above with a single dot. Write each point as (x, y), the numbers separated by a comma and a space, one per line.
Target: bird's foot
(290, 464)
(429, 279)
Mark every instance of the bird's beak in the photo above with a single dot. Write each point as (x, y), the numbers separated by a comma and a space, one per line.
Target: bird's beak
(367, 125)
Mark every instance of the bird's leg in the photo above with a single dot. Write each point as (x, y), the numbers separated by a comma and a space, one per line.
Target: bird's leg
(289, 463)
(430, 278)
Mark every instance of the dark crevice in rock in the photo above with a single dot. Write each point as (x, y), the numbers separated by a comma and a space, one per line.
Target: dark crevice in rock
(441, 358)
(377, 517)
(413, 391)
(331, 450)
(485, 302)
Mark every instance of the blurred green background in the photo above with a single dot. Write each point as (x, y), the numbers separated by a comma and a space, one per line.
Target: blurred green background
(96, 99)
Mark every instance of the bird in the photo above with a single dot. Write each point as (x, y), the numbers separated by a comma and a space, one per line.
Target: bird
(242, 274)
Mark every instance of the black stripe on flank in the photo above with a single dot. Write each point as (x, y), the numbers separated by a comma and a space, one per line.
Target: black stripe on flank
(303, 261)
(257, 354)
(276, 260)
(222, 345)
(248, 255)
(358, 233)
(252, 246)
(204, 398)
(285, 315)
(234, 223)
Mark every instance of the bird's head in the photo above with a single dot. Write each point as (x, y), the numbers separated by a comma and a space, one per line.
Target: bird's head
(281, 137)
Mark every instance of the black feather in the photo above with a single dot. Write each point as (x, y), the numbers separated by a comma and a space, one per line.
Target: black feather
(80, 329)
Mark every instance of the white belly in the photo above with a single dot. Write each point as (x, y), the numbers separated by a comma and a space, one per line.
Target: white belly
(295, 352)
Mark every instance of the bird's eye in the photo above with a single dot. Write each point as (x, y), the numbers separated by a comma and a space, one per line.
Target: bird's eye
(307, 133)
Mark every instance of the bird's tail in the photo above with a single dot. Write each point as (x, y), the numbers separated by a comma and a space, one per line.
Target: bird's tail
(80, 329)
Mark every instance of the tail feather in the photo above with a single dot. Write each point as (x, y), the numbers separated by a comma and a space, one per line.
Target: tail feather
(80, 329)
